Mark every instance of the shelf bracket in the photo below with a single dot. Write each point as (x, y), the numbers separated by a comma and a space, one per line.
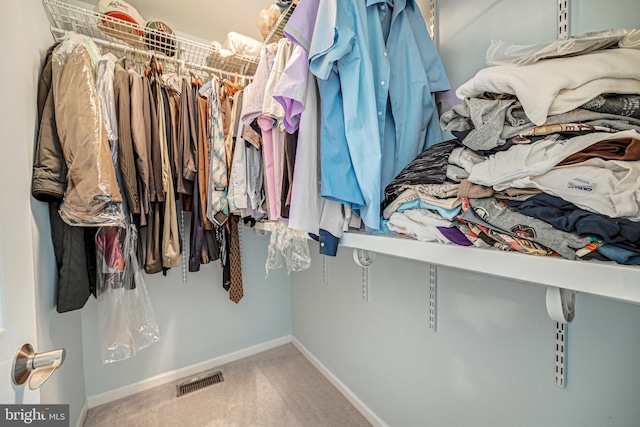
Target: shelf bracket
(364, 259)
(433, 294)
(325, 270)
(563, 19)
(560, 365)
(561, 308)
(431, 24)
(561, 304)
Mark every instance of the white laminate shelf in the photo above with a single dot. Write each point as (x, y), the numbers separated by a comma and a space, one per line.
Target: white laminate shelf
(609, 280)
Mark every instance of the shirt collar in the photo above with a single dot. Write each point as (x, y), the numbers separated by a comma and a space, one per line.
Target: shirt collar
(398, 6)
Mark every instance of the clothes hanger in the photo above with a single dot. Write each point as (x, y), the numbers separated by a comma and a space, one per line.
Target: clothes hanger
(195, 80)
(154, 68)
(232, 86)
(208, 85)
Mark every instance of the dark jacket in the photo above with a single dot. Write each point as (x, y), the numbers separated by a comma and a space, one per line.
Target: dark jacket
(74, 247)
(126, 159)
(49, 168)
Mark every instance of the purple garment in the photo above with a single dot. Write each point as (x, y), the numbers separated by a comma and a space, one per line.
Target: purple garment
(299, 28)
(291, 90)
(456, 236)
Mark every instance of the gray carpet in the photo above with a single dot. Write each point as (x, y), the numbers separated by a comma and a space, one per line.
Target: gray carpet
(278, 387)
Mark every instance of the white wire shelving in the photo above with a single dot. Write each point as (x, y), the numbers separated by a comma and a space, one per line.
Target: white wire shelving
(131, 38)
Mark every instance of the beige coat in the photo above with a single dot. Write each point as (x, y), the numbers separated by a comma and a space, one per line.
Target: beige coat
(92, 189)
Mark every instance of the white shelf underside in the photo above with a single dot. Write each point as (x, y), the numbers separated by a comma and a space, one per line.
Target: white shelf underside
(608, 280)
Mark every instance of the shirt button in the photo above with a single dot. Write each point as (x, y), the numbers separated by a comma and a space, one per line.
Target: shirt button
(385, 54)
(383, 7)
(382, 83)
(379, 113)
(322, 244)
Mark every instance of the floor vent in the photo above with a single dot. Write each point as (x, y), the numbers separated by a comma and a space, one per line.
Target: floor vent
(201, 381)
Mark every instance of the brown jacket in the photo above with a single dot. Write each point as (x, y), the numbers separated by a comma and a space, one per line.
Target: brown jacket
(49, 168)
(139, 137)
(203, 160)
(126, 159)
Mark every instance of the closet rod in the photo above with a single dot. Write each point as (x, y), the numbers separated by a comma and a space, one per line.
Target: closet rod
(179, 64)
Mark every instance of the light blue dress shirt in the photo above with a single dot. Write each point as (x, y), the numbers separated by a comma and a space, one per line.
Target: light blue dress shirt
(407, 71)
(378, 68)
(351, 155)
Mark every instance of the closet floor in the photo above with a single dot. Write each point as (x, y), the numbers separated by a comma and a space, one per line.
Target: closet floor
(278, 387)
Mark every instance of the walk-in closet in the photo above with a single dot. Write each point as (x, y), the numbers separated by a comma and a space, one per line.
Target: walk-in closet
(403, 213)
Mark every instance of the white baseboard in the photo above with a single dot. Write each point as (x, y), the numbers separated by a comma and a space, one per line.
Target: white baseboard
(346, 392)
(83, 414)
(167, 377)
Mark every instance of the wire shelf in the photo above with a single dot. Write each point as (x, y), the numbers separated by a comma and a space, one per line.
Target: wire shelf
(130, 37)
(277, 32)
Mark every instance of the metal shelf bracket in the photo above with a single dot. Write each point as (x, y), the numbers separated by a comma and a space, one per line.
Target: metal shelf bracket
(325, 270)
(561, 304)
(563, 19)
(431, 24)
(561, 308)
(560, 365)
(433, 294)
(365, 260)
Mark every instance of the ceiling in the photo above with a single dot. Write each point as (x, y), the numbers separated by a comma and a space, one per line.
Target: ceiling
(207, 20)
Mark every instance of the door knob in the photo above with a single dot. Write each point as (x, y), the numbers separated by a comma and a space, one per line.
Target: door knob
(35, 367)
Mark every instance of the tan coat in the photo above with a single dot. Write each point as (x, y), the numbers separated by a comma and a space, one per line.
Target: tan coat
(92, 188)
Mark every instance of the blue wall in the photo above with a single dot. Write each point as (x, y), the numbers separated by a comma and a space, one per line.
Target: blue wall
(197, 320)
(491, 361)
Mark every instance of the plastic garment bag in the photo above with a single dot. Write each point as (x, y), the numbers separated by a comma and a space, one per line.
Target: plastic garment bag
(92, 196)
(268, 19)
(287, 246)
(126, 320)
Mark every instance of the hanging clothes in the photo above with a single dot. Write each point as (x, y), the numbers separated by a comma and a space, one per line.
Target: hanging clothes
(297, 91)
(217, 203)
(210, 246)
(92, 193)
(122, 95)
(153, 255)
(187, 139)
(73, 247)
(379, 119)
(139, 141)
(170, 233)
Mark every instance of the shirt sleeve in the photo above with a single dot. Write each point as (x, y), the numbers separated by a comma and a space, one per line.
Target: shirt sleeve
(331, 41)
(291, 89)
(433, 66)
(299, 28)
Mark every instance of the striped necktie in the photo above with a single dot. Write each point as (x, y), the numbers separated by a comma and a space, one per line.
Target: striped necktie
(218, 206)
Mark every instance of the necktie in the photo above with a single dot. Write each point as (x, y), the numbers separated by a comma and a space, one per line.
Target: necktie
(236, 291)
(217, 207)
